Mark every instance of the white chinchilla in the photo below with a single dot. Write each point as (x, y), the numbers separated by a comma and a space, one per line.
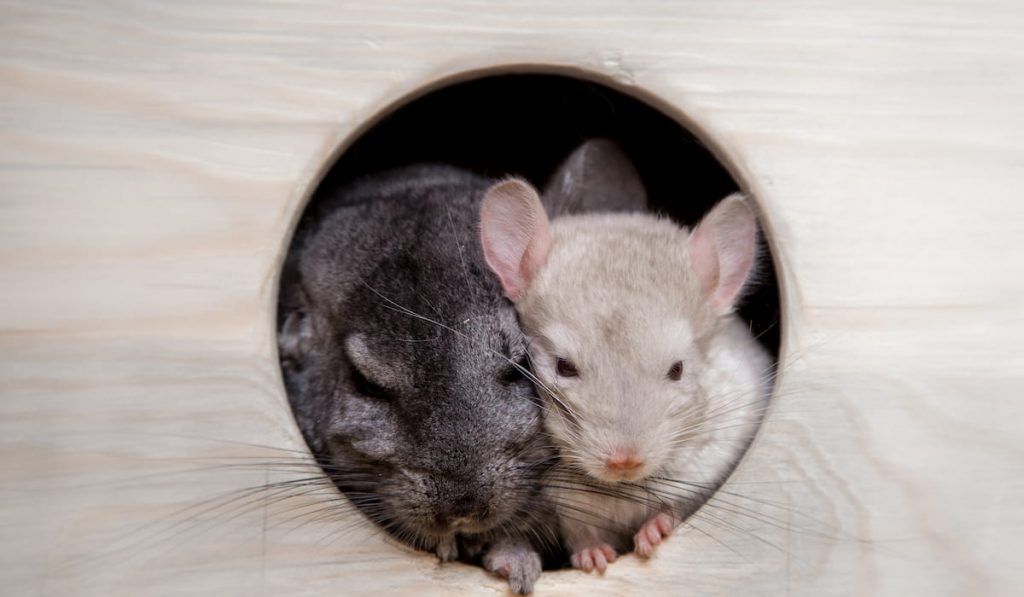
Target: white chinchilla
(653, 387)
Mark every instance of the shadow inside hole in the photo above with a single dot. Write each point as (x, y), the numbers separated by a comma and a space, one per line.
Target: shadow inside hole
(525, 124)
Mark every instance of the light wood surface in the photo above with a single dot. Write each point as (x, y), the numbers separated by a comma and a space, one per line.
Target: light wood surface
(154, 157)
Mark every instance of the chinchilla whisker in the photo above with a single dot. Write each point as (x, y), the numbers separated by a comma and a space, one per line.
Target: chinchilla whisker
(216, 502)
(183, 520)
(263, 467)
(727, 404)
(521, 526)
(718, 413)
(762, 518)
(579, 513)
(763, 501)
(581, 489)
(528, 532)
(767, 329)
(374, 524)
(328, 498)
(307, 514)
(535, 526)
(240, 499)
(240, 507)
(573, 417)
(402, 533)
(526, 372)
(737, 510)
(788, 524)
(739, 415)
(728, 526)
(538, 463)
(692, 435)
(716, 501)
(336, 532)
(689, 523)
(306, 457)
(458, 245)
(173, 476)
(405, 310)
(228, 442)
(626, 496)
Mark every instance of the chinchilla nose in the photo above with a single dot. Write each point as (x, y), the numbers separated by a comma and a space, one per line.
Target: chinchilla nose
(622, 461)
(462, 508)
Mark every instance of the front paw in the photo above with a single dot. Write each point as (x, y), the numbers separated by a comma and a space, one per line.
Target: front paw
(652, 533)
(520, 564)
(595, 557)
(446, 549)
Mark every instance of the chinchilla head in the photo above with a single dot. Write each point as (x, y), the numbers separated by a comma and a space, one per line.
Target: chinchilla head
(405, 364)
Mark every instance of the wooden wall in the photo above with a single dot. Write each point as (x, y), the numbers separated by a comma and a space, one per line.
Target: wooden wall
(155, 155)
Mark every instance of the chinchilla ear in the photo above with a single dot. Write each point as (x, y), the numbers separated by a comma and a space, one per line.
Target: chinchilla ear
(597, 176)
(722, 251)
(514, 234)
(295, 332)
(295, 336)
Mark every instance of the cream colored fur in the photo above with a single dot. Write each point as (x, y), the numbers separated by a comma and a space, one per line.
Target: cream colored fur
(618, 297)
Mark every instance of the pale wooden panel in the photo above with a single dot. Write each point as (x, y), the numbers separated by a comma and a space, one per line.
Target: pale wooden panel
(155, 155)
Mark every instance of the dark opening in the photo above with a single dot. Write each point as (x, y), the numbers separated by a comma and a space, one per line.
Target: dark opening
(525, 124)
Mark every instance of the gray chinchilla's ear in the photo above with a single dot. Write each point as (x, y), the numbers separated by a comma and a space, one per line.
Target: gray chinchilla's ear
(295, 336)
(597, 176)
(296, 332)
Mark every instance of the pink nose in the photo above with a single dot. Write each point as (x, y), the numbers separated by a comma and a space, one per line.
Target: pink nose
(623, 462)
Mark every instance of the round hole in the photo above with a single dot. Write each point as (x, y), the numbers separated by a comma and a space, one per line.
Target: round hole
(522, 124)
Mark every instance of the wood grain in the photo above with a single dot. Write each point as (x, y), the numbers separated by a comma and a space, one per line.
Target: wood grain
(154, 157)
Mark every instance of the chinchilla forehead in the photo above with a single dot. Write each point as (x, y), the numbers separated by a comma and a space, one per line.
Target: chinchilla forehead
(602, 268)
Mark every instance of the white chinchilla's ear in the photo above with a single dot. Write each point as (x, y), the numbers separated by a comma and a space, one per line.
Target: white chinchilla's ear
(515, 234)
(722, 250)
(597, 176)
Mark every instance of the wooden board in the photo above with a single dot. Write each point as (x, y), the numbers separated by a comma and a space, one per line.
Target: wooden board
(154, 157)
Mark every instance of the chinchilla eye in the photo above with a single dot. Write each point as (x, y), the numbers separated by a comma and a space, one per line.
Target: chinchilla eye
(566, 368)
(514, 372)
(675, 373)
(368, 387)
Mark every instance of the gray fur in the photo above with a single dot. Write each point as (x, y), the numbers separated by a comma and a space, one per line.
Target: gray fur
(391, 285)
(596, 177)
